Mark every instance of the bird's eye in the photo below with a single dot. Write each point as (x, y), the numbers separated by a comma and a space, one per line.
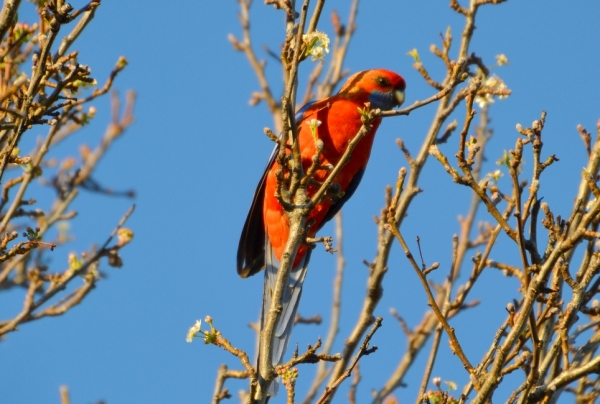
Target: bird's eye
(383, 82)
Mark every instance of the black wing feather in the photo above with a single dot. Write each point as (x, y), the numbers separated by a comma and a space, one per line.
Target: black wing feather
(251, 249)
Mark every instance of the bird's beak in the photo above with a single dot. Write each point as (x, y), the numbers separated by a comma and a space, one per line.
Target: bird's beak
(399, 95)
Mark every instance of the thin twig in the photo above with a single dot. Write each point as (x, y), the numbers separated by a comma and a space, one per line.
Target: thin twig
(364, 350)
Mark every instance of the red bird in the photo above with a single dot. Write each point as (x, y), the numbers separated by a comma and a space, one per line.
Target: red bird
(335, 121)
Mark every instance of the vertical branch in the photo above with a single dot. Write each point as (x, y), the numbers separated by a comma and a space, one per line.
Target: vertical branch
(312, 26)
(8, 16)
(466, 224)
(287, 106)
(297, 217)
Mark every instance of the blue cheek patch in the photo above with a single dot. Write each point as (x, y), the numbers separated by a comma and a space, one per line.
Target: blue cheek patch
(382, 100)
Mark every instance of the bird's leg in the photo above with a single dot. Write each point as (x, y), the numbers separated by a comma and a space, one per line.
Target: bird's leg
(334, 192)
(313, 182)
(307, 239)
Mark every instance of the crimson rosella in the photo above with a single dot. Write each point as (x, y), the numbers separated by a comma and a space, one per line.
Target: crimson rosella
(335, 120)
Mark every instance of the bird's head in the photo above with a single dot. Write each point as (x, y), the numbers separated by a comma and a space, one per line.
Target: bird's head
(382, 88)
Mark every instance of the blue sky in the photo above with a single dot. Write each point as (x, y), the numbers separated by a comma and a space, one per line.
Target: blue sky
(194, 156)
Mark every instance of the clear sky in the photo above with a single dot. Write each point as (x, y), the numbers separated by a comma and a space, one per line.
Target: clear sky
(197, 150)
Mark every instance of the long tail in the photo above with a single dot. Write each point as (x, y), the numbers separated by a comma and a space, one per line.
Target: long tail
(291, 298)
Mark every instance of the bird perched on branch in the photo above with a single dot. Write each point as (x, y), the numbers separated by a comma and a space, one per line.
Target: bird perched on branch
(335, 121)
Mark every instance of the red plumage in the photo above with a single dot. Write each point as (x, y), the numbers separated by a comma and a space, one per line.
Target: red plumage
(266, 230)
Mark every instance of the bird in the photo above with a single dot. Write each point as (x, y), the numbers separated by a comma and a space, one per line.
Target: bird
(334, 120)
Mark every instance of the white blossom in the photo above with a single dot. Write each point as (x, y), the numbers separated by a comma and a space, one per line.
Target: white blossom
(193, 330)
(317, 45)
